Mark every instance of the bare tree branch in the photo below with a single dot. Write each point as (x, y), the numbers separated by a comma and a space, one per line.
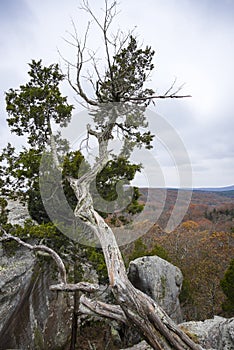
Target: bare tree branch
(42, 248)
(154, 97)
(171, 87)
(79, 63)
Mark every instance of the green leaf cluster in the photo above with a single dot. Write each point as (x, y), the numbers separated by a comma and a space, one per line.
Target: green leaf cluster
(122, 97)
(127, 74)
(96, 258)
(140, 249)
(117, 174)
(33, 106)
(3, 211)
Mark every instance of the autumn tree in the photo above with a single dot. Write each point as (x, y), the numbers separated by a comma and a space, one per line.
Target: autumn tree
(203, 257)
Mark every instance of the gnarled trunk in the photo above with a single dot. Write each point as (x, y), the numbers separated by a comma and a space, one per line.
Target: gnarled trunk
(138, 308)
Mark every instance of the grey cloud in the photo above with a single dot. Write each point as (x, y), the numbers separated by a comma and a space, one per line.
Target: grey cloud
(13, 12)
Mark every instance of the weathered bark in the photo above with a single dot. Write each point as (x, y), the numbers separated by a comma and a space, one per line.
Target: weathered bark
(75, 315)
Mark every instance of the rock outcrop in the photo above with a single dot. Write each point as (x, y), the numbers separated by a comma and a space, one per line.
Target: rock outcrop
(212, 334)
(18, 212)
(15, 272)
(31, 317)
(140, 346)
(159, 279)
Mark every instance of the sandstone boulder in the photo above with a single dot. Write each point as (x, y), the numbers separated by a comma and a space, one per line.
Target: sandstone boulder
(160, 280)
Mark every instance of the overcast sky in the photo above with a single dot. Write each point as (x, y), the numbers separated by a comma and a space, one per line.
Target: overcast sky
(193, 40)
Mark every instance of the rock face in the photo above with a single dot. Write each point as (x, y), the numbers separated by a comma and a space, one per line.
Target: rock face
(18, 212)
(31, 317)
(159, 279)
(213, 334)
(15, 272)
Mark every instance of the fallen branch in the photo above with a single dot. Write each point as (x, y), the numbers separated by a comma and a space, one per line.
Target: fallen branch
(85, 287)
(99, 308)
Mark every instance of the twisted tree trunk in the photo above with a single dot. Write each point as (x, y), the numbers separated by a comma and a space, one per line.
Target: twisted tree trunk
(138, 308)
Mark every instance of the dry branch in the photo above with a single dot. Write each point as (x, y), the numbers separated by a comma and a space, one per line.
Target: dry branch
(99, 308)
(84, 287)
(41, 248)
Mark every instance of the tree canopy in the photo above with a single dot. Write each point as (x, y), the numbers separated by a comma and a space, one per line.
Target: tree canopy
(32, 108)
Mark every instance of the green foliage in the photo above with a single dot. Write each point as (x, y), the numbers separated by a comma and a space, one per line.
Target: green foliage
(31, 110)
(10, 247)
(111, 185)
(96, 258)
(21, 179)
(20, 171)
(36, 207)
(140, 249)
(74, 165)
(123, 99)
(33, 106)
(126, 77)
(46, 232)
(227, 284)
(186, 292)
(116, 170)
(159, 251)
(7, 167)
(3, 211)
